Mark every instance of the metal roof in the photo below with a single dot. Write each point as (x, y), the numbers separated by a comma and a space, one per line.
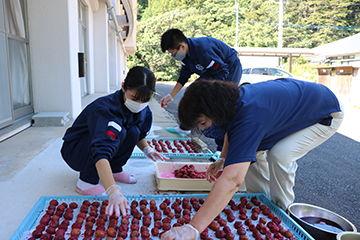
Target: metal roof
(273, 52)
(345, 46)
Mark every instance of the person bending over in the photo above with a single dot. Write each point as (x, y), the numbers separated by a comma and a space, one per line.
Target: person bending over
(270, 126)
(208, 57)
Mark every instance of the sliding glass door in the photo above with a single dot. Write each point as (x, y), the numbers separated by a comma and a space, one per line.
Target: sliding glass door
(15, 83)
(5, 96)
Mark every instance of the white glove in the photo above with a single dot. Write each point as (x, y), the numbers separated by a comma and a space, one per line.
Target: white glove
(153, 155)
(117, 202)
(186, 232)
(148, 150)
(166, 100)
(214, 168)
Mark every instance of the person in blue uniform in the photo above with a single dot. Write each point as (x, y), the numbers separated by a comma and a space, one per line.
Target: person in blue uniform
(103, 136)
(270, 125)
(208, 57)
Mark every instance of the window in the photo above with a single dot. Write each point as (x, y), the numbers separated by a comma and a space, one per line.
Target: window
(246, 71)
(344, 71)
(349, 57)
(5, 97)
(261, 71)
(324, 71)
(15, 84)
(280, 73)
(15, 18)
(19, 71)
(2, 23)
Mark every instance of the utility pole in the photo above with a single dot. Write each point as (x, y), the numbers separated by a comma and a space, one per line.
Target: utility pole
(237, 23)
(280, 31)
(281, 18)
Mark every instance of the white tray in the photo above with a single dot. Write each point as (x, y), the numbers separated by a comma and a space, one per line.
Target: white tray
(183, 184)
(180, 184)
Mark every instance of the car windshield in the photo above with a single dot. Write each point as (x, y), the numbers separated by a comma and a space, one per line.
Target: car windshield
(267, 71)
(280, 73)
(246, 71)
(261, 71)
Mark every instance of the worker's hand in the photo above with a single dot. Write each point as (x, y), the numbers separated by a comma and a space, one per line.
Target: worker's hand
(214, 169)
(117, 202)
(186, 232)
(153, 155)
(166, 100)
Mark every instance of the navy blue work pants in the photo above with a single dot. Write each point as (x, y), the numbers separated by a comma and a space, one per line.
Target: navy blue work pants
(77, 155)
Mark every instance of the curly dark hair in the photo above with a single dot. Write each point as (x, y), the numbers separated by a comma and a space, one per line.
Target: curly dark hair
(215, 99)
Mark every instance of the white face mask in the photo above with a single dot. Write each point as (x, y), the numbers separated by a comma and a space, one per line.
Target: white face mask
(135, 107)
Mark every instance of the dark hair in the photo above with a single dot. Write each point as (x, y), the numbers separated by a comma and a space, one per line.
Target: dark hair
(215, 99)
(171, 39)
(142, 80)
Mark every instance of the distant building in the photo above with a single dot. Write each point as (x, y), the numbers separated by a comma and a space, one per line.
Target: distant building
(53, 53)
(342, 75)
(340, 59)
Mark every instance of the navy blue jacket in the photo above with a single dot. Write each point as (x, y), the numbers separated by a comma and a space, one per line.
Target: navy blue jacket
(104, 125)
(210, 58)
(268, 111)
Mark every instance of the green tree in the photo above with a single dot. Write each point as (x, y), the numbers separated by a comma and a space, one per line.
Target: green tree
(258, 24)
(307, 24)
(196, 21)
(312, 23)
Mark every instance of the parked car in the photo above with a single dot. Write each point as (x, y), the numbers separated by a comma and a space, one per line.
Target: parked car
(259, 74)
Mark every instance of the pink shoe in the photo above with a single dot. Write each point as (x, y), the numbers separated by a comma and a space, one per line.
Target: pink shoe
(125, 177)
(97, 190)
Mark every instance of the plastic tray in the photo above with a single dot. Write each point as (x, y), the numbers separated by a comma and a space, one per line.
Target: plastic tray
(31, 219)
(183, 184)
(180, 184)
(137, 153)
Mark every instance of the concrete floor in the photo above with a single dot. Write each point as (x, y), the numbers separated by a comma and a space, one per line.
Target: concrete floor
(31, 166)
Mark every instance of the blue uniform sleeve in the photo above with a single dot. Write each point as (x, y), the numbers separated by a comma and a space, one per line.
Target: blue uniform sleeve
(106, 135)
(244, 140)
(216, 68)
(145, 128)
(184, 75)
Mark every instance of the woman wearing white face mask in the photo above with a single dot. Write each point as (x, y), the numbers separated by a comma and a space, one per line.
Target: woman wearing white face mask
(103, 136)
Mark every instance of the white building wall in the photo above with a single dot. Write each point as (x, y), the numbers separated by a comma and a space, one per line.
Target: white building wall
(90, 49)
(53, 27)
(122, 69)
(120, 55)
(53, 38)
(54, 45)
(101, 50)
(112, 58)
(117, 61)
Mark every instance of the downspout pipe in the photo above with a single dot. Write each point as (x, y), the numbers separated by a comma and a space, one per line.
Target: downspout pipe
(117, 28)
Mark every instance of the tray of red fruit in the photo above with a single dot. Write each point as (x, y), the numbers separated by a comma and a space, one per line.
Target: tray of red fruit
(180, 176)
(174, 148)
(247, 216)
